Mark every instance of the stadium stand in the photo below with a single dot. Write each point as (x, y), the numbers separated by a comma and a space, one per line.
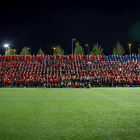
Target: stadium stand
(69, 71)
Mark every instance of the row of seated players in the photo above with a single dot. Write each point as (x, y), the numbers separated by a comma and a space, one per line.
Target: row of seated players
(75, 82)
(68, 57)
(59, 72)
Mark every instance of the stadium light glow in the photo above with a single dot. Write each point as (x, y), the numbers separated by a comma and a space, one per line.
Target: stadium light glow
(30, 49)
(54, 48)
(14, 51)
(6, 46)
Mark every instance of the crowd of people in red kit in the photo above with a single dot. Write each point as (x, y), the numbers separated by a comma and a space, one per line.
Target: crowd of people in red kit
(69, 71)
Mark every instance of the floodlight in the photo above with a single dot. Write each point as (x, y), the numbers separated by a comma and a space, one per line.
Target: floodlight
(6, 45)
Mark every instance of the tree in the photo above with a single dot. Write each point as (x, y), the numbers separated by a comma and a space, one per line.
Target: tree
(25, 51)
(78, 49)
(97, 50)
(58, 50)
(9, 51)
(118, 49)
(40, 52)
(139, 50)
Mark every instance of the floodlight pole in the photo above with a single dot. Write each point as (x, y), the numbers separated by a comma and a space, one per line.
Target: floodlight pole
(14, 51)
(88, 48)
(54, 48)
(130, 49)
(6, 46)
(30, 49)
(72, 45)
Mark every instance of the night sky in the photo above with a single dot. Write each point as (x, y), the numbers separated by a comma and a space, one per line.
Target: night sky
(47, 24)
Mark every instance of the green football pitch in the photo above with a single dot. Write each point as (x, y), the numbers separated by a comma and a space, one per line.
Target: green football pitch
(70, 114)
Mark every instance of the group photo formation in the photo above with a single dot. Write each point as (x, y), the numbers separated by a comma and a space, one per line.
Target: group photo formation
(69, 71)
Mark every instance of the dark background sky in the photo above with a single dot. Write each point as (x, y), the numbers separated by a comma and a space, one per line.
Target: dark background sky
(47, 24)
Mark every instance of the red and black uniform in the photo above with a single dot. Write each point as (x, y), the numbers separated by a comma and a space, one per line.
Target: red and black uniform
(33, 57)
(11, 58)
(54, 57)
(4, 57)
(48, 58)
(8, 57)
(76, 85)
(74, 57)
(30, 58)
(71, 57)
(24, 57)
(43, 57)
(17, 58)
(21, 58)
(67, 57)
(87, 57)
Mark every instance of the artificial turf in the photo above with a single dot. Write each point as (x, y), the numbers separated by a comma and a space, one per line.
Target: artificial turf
(96, 113)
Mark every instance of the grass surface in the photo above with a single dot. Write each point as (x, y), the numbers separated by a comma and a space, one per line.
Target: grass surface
(96, 113)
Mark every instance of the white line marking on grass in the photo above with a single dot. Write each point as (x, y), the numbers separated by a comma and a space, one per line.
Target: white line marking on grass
(73, 96)
(73, 101)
